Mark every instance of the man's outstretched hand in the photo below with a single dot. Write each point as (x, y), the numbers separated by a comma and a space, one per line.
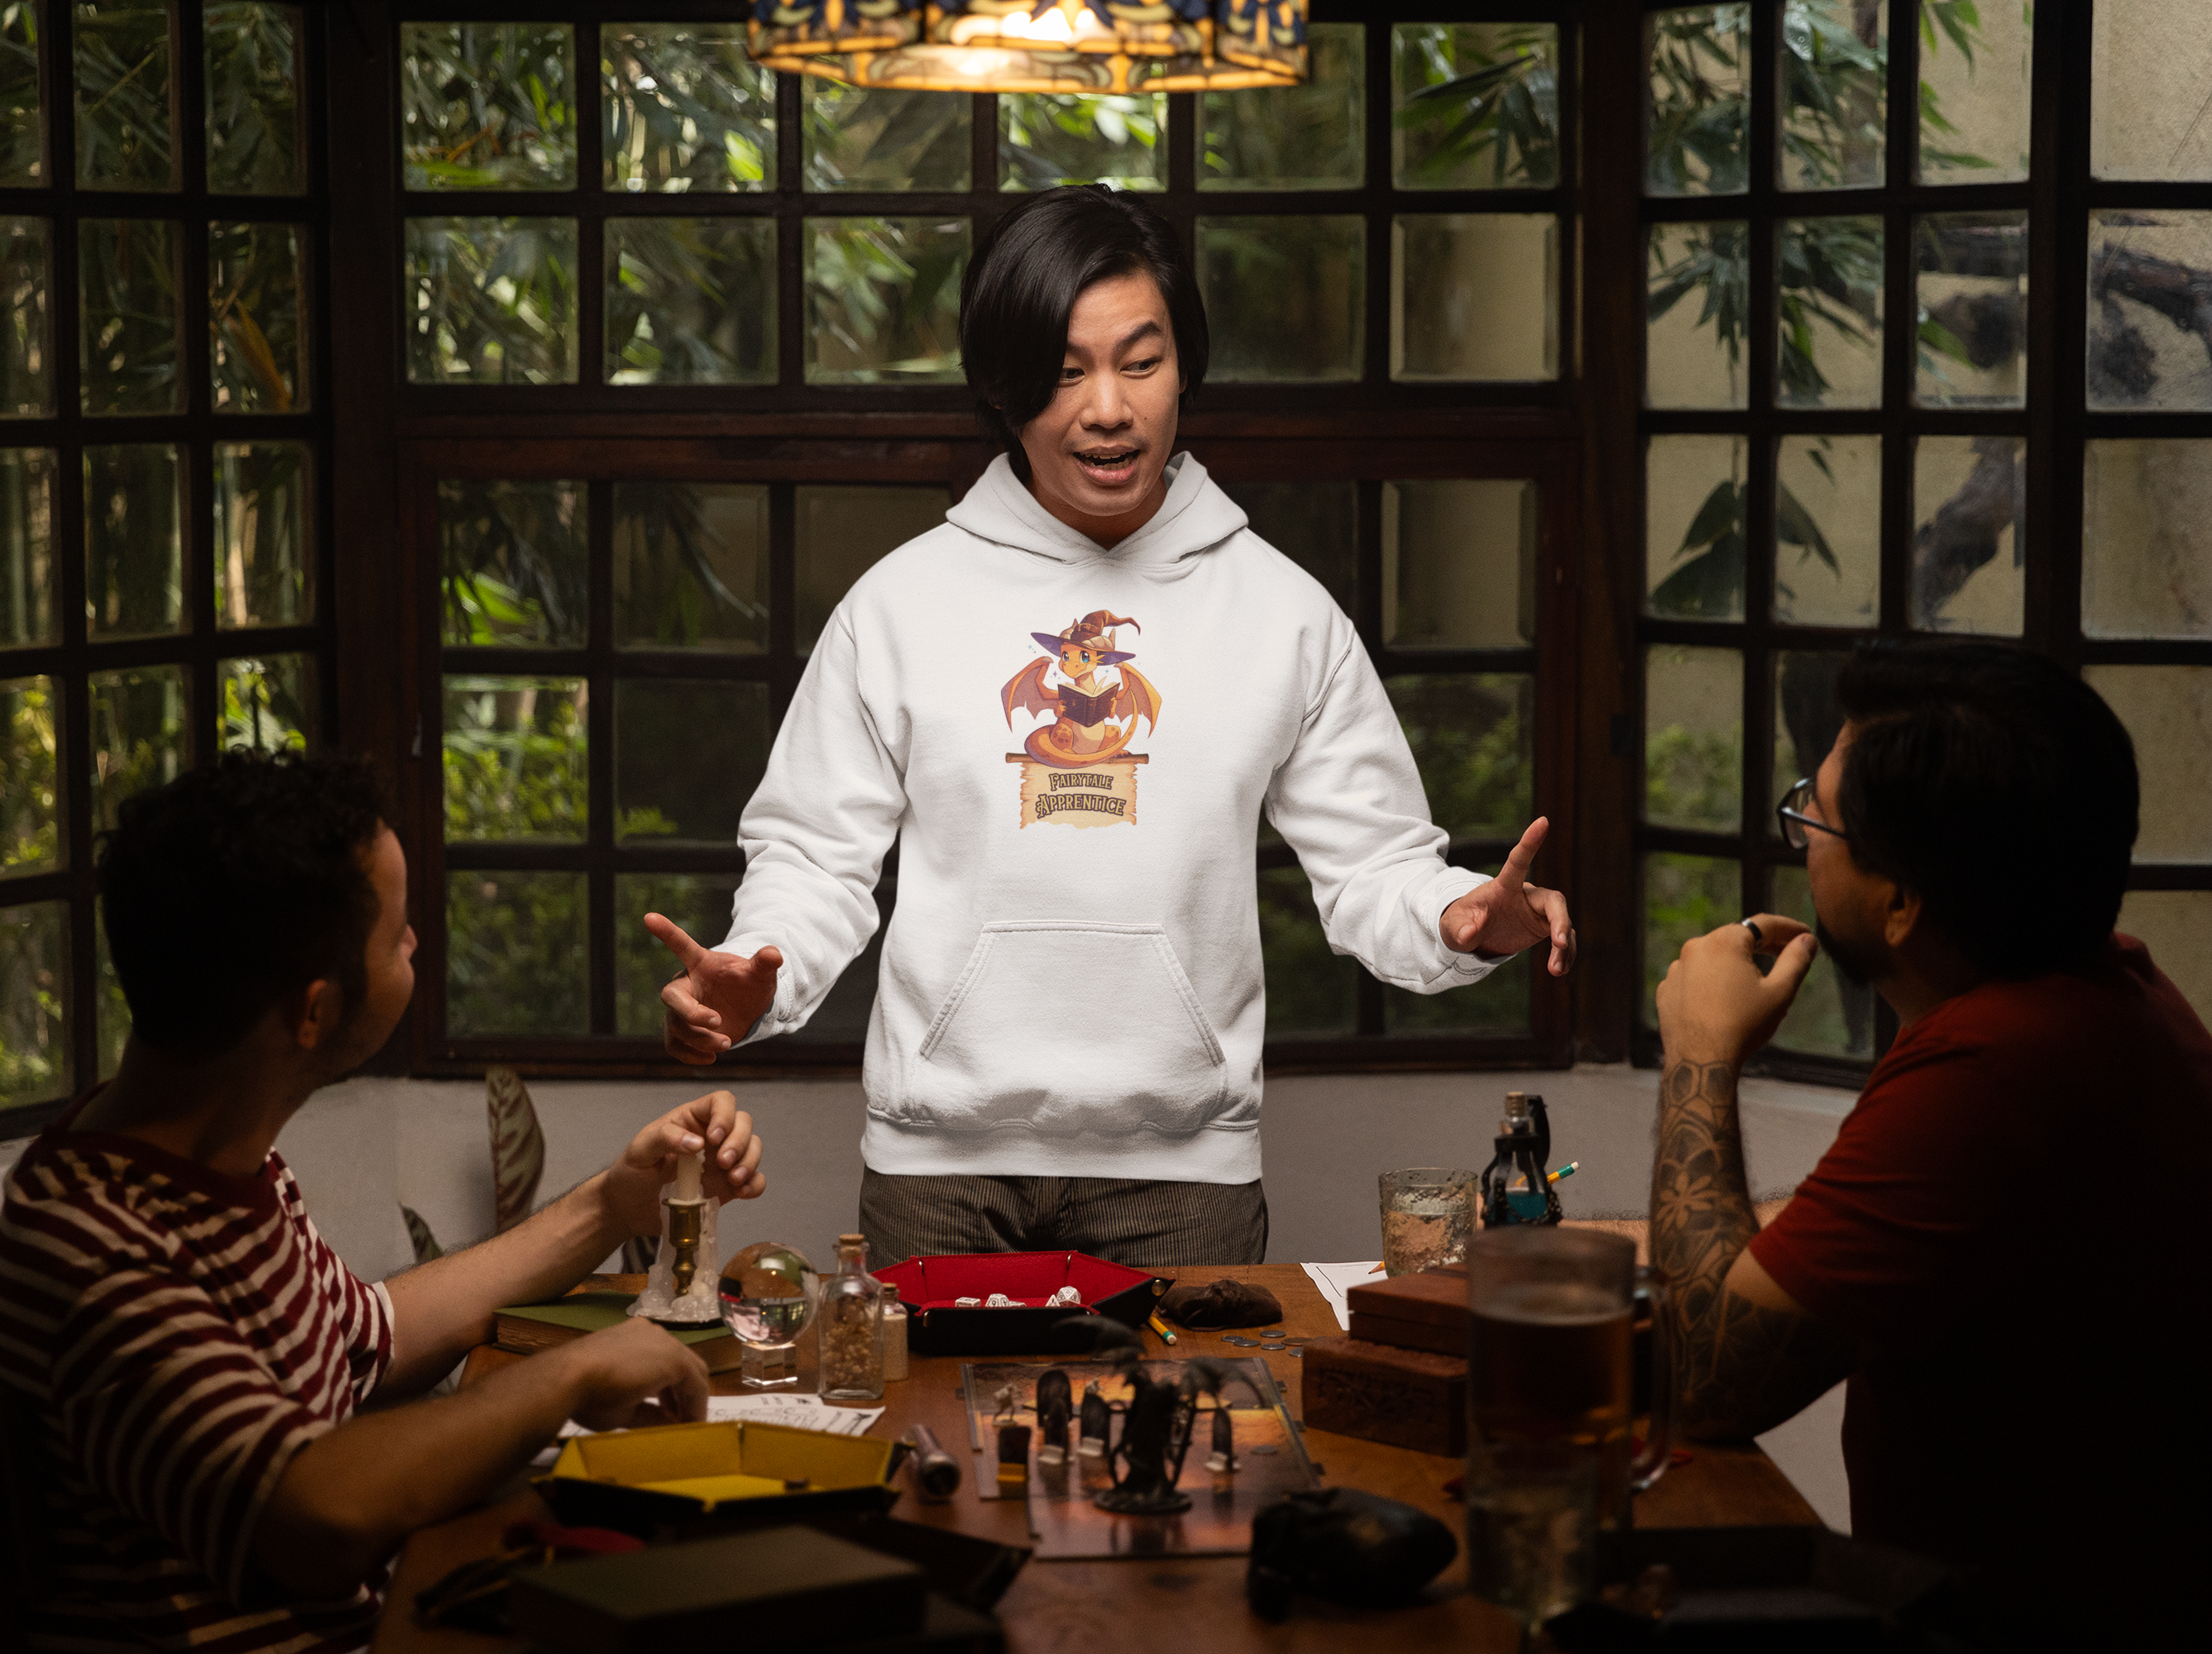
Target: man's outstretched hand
(717, 998)
(1509, 913)
(1714, 1005)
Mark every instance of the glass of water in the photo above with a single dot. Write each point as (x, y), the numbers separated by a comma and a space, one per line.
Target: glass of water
(1532, 1529)
(1428, 1212)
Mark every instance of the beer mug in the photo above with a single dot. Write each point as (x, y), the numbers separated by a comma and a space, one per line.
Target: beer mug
(1549, 1398)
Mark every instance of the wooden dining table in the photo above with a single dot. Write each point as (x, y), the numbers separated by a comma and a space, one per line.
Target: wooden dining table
(1109, 1606)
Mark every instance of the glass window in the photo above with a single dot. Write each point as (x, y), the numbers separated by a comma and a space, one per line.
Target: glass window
(2147, 539)
(1312, 137)
(1969, 500)
(1050, 138)
(27, 388)
(1698, 60)
(491, 300)
(125, 94)
(1285, 297)
(684, 109)
(845, 532)
(883, 299)
(690, 301)
(1693, 738)
(2168, 712)
(251, 79)
(1827, 530)
(1459, 564)
(488, 105)
(1474, 105)
(1475, 296)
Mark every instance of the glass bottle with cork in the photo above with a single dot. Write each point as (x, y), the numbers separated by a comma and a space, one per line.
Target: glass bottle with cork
(851, 1327)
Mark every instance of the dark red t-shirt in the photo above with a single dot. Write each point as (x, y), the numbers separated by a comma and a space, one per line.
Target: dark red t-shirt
(2013, 1222)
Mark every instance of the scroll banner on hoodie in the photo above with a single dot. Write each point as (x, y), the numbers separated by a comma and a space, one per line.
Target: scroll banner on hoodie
(1099, 795)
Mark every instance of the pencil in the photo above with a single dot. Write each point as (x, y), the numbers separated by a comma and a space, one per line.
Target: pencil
(1161, 1327)
(1566, 1170)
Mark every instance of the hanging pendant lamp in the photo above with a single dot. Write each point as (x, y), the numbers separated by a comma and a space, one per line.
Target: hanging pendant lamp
(1036, 46)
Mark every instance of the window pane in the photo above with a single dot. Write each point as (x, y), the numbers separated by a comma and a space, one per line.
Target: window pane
(30, 795)
(685, 109)
(1834, 57)
(254, 145)
(1474, 296)
(133, 541)
(1973, 287)
(1974, 84)
(2176, 925)
(1697, 296)
(1312, 993)
(1297, 137)
(515, 571)
(1829, 270)
(2148, 344)
(258, 356)
(1286, 297)
(700, 902)
(111, 1011)
(1831, 1017)
(487, 106)
(264, 573)
(1497, 1006)
(844, 532)
(1474, 105)
(2147, 61)
(690, 300)
(1693, 738)
(1693, 554)
(1969, 499)
(1315, 525)
(688, 754)
(27, 547)
(1827, 530)
(137, 737)
(514, 953)
(269, 704)
(516, 758)
(1698, 58)
(34, 1042)
(2168, 712)
(123, 94)
(691, 563)
(870, 139)
(27, 385)
(1459, 564)
(1473, 740)
(1806, 722)
(882, 299)
(2147, 539)
(127, 331)
(1684, 896)
(493, 300)
(22, 124)
(1050, 138)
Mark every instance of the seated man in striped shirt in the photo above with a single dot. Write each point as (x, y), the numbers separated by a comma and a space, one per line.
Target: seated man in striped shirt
(184, 1360)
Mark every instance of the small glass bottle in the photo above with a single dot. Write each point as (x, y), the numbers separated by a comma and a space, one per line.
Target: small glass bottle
(852, 1327)
(894, 1335)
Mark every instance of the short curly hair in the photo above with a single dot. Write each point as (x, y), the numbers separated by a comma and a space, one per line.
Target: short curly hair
(235, 885)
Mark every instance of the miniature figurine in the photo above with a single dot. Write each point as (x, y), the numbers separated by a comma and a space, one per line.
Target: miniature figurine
(1013, 1455)
(1098, 1419)
(1008, 1402)
(1223, 1456)
(1054, 1404)
(1148, 1458)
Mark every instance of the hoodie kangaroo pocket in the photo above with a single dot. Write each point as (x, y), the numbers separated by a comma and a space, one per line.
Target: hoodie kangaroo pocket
(1070, 1028)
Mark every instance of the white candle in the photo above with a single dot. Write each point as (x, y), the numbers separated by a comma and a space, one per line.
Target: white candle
(688, 1169)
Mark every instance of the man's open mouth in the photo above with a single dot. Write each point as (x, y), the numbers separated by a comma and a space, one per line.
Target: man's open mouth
(1107, 459)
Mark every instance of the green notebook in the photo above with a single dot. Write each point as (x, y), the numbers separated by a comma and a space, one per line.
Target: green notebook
(589, 1311)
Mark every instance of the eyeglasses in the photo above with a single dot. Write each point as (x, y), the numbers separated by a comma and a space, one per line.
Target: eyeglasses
(1790, 812)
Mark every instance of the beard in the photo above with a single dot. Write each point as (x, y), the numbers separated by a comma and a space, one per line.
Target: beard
(1857, 965)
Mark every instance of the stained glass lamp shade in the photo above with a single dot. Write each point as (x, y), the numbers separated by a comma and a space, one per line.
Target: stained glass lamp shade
(1036, 46)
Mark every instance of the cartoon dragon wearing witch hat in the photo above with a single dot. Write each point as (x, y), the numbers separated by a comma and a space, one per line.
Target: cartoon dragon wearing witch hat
(1097, 715)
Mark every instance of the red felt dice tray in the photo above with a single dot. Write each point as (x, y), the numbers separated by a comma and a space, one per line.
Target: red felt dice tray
(937, 1326)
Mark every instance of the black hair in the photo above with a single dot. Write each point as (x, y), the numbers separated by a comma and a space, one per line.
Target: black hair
(1022, 286)
(1998, 787)
(233, 885)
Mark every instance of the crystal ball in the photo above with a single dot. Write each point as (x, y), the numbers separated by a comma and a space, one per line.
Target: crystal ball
(768, 1294)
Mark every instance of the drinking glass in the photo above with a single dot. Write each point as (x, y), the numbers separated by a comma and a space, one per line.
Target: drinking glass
(1428, 1212)
(1549, 1384)
(768, 1294)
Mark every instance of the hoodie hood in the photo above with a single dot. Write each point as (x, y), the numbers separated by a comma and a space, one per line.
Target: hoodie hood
(1196, 516)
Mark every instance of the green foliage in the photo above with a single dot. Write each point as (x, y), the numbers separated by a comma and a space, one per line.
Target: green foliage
(128, 272)
(1684, 896)
(686, 108)
(1470, 734)
(883, 299)
(1495, 1006)
(22, 157)
(515, 759)
(487, 106)
(253, 300)
(690, 301)
(121, 52)
(26, 385)
(675, 566)
(491, 300)
(137, 733)
(1693, 778)
(30, 782)
(252, 100)
(1048, 138)
(1294, 137)
(514, 563)
(1478, 104)
(515, 954)
(1700, 103)
(265, 704)
(34, 1063)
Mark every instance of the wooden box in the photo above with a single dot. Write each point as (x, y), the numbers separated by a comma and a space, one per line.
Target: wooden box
(1400, 1397)
(1413, 1311)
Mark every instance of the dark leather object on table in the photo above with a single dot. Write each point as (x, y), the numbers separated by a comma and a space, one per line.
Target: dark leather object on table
(1223, 1303)
(1353, 1547)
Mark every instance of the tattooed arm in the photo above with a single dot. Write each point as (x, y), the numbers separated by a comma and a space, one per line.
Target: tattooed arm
(1746, 1355)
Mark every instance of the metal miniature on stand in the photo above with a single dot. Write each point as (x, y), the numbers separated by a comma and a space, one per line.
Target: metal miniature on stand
(1223, 1456)
(1095, 1422)
(682, 1287)
(1054, 1406)
(1523, 1145)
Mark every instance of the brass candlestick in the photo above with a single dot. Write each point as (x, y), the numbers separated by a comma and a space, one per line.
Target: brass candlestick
(685, 1219)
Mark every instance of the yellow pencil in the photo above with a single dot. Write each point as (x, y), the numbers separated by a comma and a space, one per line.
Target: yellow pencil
(1161, 1327)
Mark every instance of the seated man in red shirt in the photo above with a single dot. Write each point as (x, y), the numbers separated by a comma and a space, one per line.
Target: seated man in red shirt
(2015, 1310)
(183, 1359)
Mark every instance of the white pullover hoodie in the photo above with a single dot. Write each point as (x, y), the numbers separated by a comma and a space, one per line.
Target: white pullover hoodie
(1074, 989)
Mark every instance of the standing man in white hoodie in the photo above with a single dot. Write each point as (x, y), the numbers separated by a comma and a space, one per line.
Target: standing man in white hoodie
(1065, 1050)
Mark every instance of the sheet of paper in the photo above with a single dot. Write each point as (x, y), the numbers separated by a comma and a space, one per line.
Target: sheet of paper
(798, 1412)
(1334, 1280)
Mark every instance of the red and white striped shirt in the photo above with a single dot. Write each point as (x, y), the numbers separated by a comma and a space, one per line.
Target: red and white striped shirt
(174, 1336)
